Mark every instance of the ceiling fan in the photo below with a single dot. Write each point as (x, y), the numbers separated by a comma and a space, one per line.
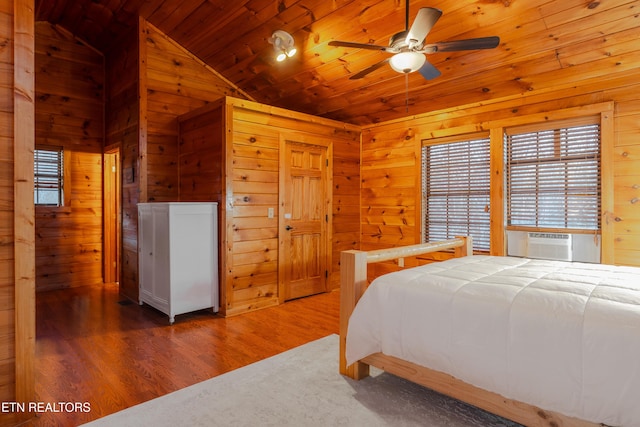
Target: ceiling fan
(408, 47)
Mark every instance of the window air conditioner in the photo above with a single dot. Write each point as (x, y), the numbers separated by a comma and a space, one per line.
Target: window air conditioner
(553, 246)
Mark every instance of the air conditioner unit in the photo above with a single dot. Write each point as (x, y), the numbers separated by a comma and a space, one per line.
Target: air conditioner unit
(554, 246)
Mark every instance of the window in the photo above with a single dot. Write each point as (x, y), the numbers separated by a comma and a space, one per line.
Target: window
(553, 176)
(455, 190)
(48, 177)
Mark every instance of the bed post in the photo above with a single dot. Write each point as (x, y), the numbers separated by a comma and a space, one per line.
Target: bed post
(466, 249)
(353, 282)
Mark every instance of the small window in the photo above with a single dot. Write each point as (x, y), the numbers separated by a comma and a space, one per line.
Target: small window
(456, 190)
(48, 177)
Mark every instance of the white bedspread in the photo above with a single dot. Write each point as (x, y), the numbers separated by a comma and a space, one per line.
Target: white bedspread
(562, 336)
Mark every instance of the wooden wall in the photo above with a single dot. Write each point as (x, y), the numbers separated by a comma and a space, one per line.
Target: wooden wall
(253, 181)
(391, 159)
(7, 284)
(122, 119)
(201, 154)
(17, 253)
(176, 82)
(171, 82)
(70, 114)
(230, 153)
(150, 82)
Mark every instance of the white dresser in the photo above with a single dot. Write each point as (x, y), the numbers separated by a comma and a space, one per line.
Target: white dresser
(178, 256)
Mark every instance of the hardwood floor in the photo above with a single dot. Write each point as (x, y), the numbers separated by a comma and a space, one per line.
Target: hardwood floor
(92, 347)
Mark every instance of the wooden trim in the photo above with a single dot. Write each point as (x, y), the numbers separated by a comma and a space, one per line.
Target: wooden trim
(353, 283)
(24, 212)
(553, 124)
(143, 186)
(511, 122)
(226, 212)
(281, 112)
(550, 230)
(67, 184)
(497, 245)
(607, 187)
(458, 137)
(282, 159)
(419, 202)
(111, 216)
(549, 116)
(204, 64)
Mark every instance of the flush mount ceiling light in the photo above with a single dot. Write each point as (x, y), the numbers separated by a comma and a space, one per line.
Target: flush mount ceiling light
(407, 62)
(283, 45)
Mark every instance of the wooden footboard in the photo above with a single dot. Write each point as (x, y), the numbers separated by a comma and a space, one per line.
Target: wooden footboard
(353, 283)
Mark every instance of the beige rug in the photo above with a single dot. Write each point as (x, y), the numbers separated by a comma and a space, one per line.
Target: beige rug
(302, 387)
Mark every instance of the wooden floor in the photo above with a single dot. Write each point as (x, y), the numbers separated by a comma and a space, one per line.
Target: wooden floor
(92, 347)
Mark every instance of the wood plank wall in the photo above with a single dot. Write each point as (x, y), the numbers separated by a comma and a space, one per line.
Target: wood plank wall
(7, 283)
(23, 224)
(201, 157)
(172, 82)
(391, 157)
(122, 118)
(176, 82)
(230, 153)
(257, 134)
(17, 269)
(70, 114)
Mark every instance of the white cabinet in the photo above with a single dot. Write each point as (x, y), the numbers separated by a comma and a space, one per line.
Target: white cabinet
(178, 256)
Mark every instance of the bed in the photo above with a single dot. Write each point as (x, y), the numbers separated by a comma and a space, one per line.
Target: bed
(543, 343)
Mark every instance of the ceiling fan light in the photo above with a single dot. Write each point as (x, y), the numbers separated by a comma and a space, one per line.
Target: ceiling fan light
(407, 62)
(292, 51)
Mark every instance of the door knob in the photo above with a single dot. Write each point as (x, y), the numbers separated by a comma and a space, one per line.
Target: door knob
(288, 227)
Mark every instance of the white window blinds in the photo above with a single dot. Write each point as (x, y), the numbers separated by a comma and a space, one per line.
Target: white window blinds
(553, 177)
(48, 179)
(455, 191)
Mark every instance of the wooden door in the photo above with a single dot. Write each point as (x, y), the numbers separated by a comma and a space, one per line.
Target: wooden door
(304, 220)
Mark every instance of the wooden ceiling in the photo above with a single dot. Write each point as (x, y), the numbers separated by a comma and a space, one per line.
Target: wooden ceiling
(541, 43)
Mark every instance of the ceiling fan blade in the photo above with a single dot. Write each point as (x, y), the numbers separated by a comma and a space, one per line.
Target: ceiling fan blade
(425, 20)
(361, 46)
(428, 71)
(468, 44)
(366, 71)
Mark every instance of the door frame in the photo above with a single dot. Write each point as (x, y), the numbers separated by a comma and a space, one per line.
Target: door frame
(112, 206)
(287, 138)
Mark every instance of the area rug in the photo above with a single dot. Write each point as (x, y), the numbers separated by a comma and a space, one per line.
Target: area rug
(302, 387)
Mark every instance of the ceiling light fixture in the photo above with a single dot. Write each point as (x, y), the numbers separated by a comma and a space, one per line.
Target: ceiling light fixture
(407, 62)
(283, 45)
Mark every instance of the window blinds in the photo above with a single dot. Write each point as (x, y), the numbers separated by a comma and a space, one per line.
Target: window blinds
(455, 185)
(553, 177)
(48, 180)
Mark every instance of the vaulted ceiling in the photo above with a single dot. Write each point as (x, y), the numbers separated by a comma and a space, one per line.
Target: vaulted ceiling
(541, 41)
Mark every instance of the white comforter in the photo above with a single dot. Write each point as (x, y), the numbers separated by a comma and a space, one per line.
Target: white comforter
(562, 336)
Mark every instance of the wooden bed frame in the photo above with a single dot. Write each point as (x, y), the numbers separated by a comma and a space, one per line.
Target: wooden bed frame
(353, 283)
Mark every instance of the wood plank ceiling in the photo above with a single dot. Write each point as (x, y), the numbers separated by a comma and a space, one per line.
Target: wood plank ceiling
(541, 40)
